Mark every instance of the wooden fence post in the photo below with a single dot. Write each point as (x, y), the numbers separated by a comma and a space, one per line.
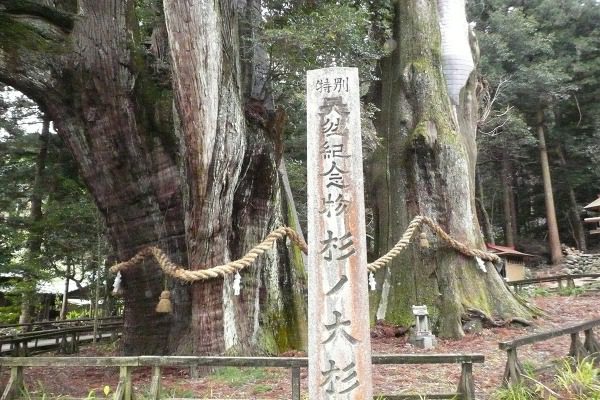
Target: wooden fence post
(577, 349)
(591, 344)
(64, 344)
(513, 369)
(15, 384)
(74, 346)
(124, 390)
(155, 384)
(295, 383)
(466, 386)
(194, 372)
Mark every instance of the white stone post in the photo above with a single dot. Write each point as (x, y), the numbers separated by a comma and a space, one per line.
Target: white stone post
(339, 344)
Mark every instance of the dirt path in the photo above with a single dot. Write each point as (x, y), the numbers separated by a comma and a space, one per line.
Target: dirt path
(272, 383)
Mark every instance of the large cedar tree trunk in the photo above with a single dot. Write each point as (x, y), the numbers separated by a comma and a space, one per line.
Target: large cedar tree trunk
(109, 93)
(508, 203)
(574, 213)
(482, 214)
(551, 222)
(426, 166)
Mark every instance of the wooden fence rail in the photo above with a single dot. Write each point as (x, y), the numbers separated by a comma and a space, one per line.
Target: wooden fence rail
(66, 340)
(563, 280)
(578, 350)
(80, 321)
(124, 390)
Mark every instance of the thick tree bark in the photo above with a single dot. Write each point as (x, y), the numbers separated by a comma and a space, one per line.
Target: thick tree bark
(208, 101)
(426, 165)
(510, 230)
(226, 214)
(34, 244)
(574, 214)
(34, 241)
(87, 73)
(553, 238)
(112, 104)
(65, 296)
(482, 214)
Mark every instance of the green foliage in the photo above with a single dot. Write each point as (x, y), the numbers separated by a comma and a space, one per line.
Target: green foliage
(299, 36)
(516, 392)
(262, 388)
(335, 33)
(236, 377)
(579, 379)
(539, 291)
(9, 314)
(68, 230)
(77, 314)
(571, 291)
(539, 54)
(148, 13)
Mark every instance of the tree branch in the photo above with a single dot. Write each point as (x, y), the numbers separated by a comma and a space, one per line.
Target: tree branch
(51, 15)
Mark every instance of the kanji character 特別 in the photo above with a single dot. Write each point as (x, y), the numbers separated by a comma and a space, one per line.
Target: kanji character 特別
(323, 85)
(340, 84)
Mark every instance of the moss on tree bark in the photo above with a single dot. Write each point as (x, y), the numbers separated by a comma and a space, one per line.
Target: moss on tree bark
(425, 166)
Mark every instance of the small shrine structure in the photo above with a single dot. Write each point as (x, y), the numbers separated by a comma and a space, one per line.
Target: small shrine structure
(513, 268)
(593, 207)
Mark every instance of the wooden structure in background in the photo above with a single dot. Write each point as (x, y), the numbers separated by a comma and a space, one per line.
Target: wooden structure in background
(64, 336)
(564, 281)
(514, 261)
(594, 206)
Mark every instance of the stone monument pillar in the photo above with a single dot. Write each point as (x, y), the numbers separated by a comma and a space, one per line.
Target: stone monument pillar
(339, 344)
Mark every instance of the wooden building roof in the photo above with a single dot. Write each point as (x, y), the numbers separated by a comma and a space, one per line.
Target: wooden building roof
(507, 251)
(594, 205)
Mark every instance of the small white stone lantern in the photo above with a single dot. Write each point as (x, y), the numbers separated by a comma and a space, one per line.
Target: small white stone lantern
(422, 336)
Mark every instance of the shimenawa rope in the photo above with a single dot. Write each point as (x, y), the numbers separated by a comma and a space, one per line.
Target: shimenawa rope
(186, 275)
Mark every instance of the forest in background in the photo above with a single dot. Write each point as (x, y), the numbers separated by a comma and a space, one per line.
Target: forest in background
(537, 80)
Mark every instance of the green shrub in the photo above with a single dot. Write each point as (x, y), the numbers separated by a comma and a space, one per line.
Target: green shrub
(519, 391)
(579, 379)
(10, 314)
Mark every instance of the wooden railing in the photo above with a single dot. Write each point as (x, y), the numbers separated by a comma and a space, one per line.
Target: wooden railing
(124, 390)
(66, 339)
(563, 280)
(44, 324)
(514, 370)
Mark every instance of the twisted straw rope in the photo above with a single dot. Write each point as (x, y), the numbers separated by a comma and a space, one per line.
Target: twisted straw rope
(409, 233)
(189, 276)
(177, 271)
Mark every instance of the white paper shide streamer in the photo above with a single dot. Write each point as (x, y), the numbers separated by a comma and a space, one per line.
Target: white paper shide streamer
(117, 289)
(372, 282)
(237, 284)
(457, 60)
(481, 264)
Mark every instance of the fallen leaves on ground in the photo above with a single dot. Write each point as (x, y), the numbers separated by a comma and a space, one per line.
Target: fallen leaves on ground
(274, 383)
